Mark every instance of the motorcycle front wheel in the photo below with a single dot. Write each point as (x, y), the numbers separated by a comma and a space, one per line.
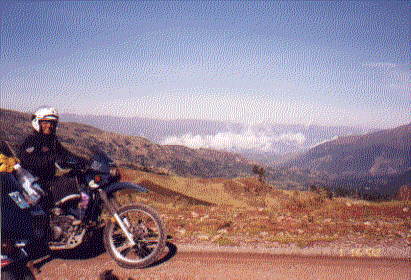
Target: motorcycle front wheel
(148, 232)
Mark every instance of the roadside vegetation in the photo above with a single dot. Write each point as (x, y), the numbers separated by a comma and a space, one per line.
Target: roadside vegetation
(249, 212)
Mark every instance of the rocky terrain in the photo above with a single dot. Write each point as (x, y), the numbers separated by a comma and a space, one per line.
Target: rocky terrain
(245, 213)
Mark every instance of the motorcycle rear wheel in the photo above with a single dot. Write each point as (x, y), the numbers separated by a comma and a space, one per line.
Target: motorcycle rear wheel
(148, 232)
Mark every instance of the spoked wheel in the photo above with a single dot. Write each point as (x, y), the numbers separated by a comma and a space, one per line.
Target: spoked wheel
(148, 234)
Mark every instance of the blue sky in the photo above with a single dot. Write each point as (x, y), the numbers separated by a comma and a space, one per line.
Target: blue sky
(330, 63)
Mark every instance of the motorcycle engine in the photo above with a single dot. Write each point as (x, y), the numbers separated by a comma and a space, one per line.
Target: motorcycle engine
(61, 225)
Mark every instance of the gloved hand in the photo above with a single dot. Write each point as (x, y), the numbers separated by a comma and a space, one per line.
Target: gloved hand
(74, 163)
(7, 163)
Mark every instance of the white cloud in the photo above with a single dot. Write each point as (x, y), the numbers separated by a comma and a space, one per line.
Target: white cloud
(248, 140)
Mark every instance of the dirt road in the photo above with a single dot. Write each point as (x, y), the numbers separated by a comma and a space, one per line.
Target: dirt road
(228, 265)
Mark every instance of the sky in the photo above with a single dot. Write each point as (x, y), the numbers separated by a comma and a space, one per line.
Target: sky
(326, 62)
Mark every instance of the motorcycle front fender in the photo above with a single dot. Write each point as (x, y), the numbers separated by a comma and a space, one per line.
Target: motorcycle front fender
(112, 188)
(67, 198)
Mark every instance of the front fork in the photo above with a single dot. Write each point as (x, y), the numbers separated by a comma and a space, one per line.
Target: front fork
(112, 208)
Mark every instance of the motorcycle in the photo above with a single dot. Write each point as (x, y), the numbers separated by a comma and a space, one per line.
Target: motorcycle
(134, 235)
(24, 228)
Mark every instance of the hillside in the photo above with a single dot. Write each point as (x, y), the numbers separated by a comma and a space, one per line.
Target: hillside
(132, 151)
(386, 152)
(374, 165)
(244, 212)
(378, 162)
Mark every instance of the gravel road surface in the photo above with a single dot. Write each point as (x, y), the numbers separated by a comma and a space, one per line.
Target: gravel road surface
(207, 264)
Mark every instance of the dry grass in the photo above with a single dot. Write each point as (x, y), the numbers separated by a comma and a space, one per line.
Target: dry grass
(242, 211)
(302, 240)
(209, 190)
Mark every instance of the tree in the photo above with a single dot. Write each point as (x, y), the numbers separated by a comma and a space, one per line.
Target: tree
(260, 171)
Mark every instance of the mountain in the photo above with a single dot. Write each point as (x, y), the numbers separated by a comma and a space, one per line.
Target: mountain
(385, 152)
(132, 151)
(372, 164)
(267, 143)
(154, 129)
(378, 161)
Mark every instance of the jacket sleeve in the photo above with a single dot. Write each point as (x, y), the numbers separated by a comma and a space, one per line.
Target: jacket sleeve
(67, 159)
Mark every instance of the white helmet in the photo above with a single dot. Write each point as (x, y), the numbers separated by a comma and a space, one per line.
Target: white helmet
(44, 113)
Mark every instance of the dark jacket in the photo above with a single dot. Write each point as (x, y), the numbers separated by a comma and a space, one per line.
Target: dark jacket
(40, 152)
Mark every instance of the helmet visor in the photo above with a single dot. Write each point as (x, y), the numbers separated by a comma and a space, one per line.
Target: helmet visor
(49, 118)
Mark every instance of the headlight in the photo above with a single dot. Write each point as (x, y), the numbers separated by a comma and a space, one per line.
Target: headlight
(92, 184)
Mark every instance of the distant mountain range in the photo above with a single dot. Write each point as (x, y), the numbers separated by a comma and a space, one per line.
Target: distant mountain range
(268, 143)
(372, 163)
(132, 151)
(385, 152)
